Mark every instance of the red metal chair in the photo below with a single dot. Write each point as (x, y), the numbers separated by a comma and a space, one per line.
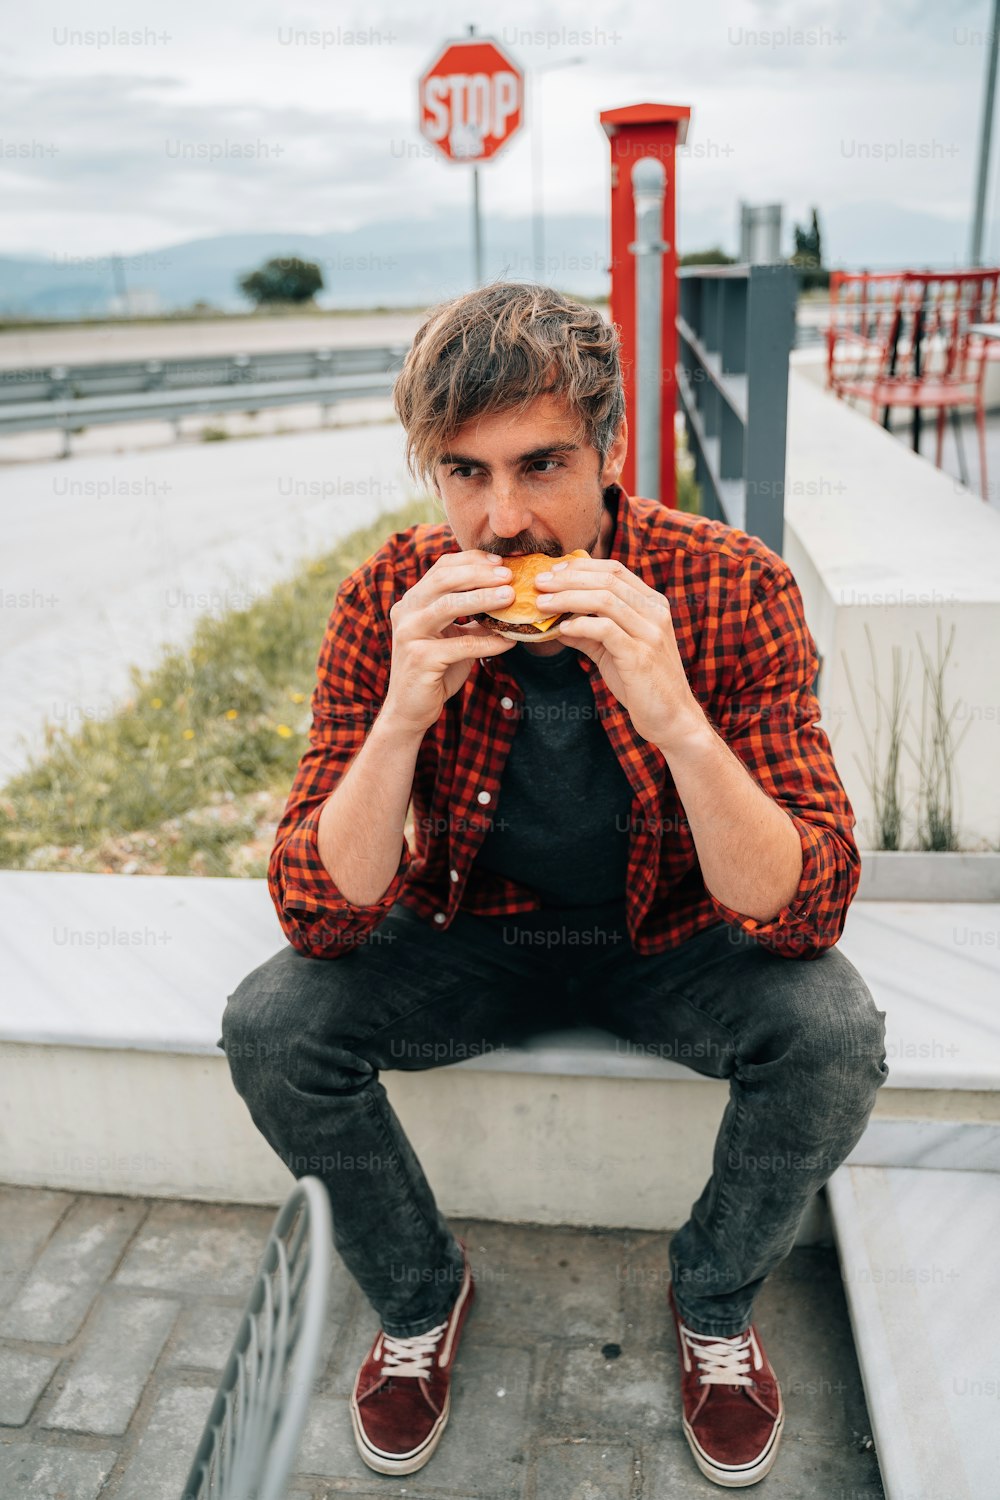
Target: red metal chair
(901, 338)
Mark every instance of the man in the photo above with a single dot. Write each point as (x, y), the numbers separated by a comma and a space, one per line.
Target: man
(659, 772)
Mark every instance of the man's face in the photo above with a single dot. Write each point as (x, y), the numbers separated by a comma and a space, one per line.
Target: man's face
(527, 482)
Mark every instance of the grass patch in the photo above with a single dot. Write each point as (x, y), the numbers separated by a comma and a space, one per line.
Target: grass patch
(191, 775)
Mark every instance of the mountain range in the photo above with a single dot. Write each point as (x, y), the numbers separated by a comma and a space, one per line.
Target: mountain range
(407, 262)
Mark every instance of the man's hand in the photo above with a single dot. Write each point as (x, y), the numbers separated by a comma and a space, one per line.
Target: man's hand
(625, 627)
(431, 655)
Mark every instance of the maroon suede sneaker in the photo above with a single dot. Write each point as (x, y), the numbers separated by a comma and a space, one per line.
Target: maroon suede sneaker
(731, 1399)
(401, 1397)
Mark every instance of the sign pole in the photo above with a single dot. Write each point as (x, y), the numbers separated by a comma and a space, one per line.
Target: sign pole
(477, 237)
(471, 105)
(477, 228)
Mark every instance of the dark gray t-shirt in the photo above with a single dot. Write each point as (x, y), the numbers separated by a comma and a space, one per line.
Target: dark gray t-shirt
(561, 823)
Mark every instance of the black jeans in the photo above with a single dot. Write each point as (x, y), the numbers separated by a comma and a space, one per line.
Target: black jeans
(800, 1041)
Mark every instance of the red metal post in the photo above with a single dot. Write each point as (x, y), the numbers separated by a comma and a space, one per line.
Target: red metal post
(636, 131)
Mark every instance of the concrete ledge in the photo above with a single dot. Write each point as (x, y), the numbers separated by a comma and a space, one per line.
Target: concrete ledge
(918, 875)
(518, 1148)
(147, 962)
(511, 1146)
(111, 1080)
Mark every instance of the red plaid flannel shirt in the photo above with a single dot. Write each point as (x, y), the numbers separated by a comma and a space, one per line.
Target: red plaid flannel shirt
(751, 663)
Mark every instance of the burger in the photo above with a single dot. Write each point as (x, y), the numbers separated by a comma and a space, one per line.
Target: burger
(523, 620)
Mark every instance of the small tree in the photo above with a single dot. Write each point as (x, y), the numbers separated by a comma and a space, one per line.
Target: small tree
(808, 255)
(283, 279)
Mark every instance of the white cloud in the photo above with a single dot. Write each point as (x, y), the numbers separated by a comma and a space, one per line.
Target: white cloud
(209, 120)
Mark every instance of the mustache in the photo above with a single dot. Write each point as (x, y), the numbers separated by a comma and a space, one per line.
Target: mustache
(505, 548)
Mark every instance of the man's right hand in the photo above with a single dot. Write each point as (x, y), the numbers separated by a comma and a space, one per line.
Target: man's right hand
(431, 655)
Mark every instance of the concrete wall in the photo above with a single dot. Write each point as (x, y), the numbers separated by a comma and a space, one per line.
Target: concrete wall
(878, 537)
(517, 1147)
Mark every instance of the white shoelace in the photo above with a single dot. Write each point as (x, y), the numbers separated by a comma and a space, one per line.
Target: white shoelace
(722, 1361)
(411, 1356)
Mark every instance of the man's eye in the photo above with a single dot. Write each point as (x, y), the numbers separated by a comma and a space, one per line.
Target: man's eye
(464, 471)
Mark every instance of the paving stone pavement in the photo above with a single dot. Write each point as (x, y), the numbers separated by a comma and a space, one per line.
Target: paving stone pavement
(117, 1315)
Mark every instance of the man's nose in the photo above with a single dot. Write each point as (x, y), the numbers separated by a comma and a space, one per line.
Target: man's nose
(508, 517)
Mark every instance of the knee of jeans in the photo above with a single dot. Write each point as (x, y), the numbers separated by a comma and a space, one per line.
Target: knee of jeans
(826, 1024)
(271, 1042)
(851, 1043)
(252, 1038)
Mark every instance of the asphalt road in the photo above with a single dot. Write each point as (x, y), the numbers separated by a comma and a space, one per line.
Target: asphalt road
(108, 557)
(79, 344)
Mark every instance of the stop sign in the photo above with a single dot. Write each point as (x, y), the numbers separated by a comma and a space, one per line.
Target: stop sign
(471, 100)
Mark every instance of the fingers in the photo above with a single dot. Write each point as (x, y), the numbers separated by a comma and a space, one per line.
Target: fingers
(471, 640)
(460, 584)
(585, 602)
(634, 612)
(474, 601)
(454, 569)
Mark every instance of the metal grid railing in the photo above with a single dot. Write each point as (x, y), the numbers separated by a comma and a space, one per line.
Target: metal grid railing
(248, 1448)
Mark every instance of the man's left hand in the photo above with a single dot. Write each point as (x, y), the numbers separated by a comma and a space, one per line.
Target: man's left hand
(625, 627)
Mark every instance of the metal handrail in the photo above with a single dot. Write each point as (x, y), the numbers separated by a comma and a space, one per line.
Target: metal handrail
(736, 327)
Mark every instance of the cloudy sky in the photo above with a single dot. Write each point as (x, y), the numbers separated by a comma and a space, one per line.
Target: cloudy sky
(128, 127)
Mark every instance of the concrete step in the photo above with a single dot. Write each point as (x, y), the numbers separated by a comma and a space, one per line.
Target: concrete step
(918, 1258)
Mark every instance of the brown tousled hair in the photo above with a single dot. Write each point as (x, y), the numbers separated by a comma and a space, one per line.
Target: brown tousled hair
(496, 349)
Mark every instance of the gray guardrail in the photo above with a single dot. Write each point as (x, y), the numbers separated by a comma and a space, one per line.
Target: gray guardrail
(72, 397)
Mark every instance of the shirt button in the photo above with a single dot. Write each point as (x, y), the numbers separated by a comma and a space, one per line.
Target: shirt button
(483, 797)
(454, 874)
(506, 703)
(439, 916)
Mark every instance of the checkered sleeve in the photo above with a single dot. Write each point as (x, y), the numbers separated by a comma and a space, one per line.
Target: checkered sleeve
(351, 681)
(770, 721)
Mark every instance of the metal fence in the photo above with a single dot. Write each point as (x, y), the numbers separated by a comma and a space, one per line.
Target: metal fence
(73, 397)
(736, 327)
